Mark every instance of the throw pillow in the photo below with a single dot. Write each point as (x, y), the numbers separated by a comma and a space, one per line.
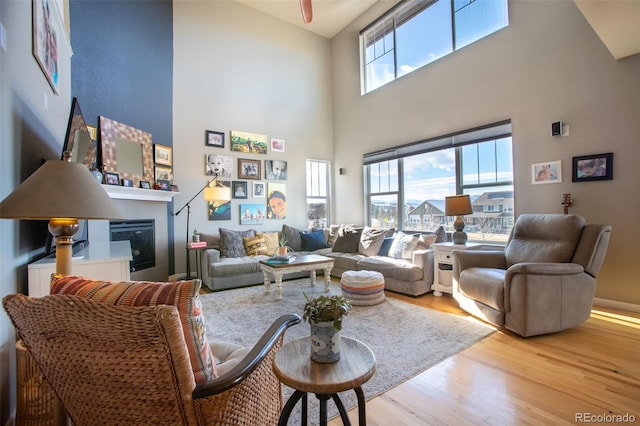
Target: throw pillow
(292, 235)
(333, 231)
(403, 246)
(348, 241)
(255, 245)
(386, 245)
(425, 241)
(231, 244)
(371, 240)
(441, 234)
(313, 240)
(271, 240)
(181, 294)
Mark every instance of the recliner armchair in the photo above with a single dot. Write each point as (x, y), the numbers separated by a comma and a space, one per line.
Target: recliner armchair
(543, 282)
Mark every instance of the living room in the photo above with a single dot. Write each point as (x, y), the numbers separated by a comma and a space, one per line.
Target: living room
(223, 66)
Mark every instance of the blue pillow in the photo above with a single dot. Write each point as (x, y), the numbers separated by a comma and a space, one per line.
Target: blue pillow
(313, 240)
(386, 245)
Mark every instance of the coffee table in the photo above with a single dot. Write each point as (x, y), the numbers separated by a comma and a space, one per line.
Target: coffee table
(293, 366)
(303, 262)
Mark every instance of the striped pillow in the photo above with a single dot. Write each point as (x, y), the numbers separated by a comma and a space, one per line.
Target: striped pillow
(181, 294)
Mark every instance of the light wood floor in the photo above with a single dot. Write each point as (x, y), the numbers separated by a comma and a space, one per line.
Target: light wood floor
(509, 380)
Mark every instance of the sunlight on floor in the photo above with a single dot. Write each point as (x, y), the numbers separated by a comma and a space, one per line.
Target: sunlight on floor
(616, 318)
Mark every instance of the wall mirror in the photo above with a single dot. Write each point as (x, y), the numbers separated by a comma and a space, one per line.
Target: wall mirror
(126, 150)
(78, 140)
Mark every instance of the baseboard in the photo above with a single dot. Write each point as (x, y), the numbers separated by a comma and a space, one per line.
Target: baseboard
(623, 306)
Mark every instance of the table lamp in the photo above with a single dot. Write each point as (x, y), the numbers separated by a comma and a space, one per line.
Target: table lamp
(61, 192)
(458, 205)
(217, 192)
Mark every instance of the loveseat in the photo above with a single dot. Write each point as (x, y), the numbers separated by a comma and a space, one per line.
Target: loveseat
(405, 260)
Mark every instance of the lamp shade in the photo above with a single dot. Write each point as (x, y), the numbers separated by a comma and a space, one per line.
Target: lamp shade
(60, 189)
(217, 193)
(457, 205)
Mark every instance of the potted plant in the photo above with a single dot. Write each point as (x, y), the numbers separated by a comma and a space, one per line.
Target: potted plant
(324, 314)
(282, 245)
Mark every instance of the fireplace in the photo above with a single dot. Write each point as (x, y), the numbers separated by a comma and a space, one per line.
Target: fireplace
(141, 235)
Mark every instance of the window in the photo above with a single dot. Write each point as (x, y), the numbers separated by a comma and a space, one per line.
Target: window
(417, 32)
(318, 184)
(408, 190)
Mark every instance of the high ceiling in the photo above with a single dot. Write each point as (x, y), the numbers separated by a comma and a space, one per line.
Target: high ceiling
(617, 22)
(329, 16)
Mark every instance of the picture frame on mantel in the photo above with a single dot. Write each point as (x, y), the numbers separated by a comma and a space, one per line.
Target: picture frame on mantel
(126, 150)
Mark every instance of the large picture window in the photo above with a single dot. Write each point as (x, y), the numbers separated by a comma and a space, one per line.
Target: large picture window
(408, 191)
(417, 32)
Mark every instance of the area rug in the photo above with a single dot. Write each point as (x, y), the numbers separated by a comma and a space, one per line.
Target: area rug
(406, 339)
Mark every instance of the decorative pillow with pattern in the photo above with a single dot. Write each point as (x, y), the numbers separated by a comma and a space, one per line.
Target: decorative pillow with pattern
(231, 243)
(255, 245)
(271, 239)
(181, 294)
(403, 246)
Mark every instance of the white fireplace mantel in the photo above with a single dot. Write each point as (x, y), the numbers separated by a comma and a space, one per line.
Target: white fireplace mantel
(139, 194)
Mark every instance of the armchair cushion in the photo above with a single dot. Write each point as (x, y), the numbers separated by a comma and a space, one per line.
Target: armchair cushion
(544, 238)
(181, 294)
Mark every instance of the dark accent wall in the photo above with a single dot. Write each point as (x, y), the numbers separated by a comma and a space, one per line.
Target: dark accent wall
(122, 67)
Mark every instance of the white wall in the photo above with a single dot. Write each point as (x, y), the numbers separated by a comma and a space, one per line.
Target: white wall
(548, 65)
(236, 68)
(24, 119)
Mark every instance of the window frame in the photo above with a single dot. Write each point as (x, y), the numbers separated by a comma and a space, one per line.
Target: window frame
(310, 197)
(458, 141)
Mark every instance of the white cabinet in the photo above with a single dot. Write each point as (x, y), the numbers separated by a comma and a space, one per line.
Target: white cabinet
(443, 265)
(104, 261)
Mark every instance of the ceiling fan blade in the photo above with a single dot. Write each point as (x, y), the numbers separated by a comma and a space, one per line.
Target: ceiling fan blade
(307, 11)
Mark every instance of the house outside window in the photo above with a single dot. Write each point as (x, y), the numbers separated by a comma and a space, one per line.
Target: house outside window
(318, 199)
(415, 33)
(478, 163)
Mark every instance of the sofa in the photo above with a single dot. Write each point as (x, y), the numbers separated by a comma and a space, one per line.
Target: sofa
(404, 259)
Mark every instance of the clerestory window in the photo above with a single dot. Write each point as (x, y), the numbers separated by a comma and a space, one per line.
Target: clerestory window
(417, 32)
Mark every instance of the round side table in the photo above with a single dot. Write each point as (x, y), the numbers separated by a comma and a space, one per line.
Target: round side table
(293, 366)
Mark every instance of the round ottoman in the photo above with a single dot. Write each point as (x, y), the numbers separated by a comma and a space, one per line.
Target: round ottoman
(362, 287)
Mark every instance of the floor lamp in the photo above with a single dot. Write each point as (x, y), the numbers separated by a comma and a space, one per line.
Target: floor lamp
(218, 192)
(61, 192)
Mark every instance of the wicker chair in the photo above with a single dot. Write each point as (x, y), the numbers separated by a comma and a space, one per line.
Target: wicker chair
(112, 365)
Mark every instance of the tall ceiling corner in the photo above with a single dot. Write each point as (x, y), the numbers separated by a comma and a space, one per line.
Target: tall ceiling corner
(616, 22)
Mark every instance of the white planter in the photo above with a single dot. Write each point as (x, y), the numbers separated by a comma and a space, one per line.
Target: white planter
(325, 342)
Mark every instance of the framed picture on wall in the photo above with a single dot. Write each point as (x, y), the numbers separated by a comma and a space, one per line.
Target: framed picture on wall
(258, 190)
(212, 138)
(592, 167)
(547, 172)
(46, 32)
(248, 169)
(239, 189)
